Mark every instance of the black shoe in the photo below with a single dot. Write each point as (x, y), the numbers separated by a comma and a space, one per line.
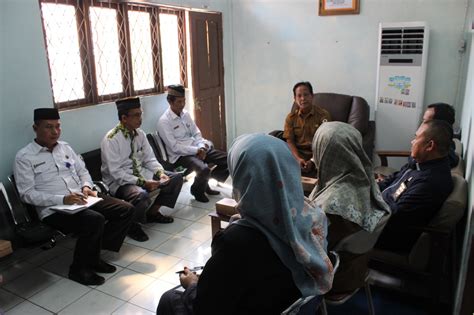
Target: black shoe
(159, 218)
(86, 277)
(136, 233)
(201, 197)
(210, 191)
(104, 267)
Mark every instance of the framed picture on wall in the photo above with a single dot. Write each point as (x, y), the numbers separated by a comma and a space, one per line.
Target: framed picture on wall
(338, 7)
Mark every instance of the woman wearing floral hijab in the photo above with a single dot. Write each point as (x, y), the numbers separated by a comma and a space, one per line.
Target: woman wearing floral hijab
(276, 252)
(348, 194)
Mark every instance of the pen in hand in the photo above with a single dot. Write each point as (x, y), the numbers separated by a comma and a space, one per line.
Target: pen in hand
(191, 269)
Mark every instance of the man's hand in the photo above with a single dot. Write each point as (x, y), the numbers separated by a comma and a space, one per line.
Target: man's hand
(301, 162)
(379, 178)
(187, 278)
(201, 154)
(151, 185)
(308, 166)
(74, 198)
(86, 191)
(164, 179)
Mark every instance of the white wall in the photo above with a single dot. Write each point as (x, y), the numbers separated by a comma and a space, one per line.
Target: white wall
(277, 43)
(25, 84)
(268, 46)
(467, 119)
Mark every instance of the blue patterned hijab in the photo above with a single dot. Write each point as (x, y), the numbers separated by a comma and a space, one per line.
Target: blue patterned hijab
(267, 186)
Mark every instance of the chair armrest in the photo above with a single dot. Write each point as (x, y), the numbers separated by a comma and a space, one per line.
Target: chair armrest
(430, 230)
(101, 187)
(384, 154)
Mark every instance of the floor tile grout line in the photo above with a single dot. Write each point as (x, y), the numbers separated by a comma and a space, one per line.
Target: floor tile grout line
(90, 289)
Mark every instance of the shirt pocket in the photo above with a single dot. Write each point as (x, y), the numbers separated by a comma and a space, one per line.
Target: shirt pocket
(139, 155)
(179, 131)
(43, 170)
(298, 131)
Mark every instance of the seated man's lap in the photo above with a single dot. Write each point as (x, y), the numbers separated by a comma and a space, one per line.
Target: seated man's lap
(113, 208)
(84, 220)
(192, 162)
(131, 193)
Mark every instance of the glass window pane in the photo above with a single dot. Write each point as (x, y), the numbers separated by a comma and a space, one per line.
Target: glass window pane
(62, 43)
(170, 48)
(106, 50)
(140, 38)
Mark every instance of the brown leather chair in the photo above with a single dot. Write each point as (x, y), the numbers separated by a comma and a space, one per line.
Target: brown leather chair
(429, 268)
(353, 110)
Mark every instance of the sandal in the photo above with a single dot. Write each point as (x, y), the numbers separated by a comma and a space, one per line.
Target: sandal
(159, 218)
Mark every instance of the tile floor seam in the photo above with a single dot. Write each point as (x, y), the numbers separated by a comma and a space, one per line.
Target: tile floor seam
(67, 304)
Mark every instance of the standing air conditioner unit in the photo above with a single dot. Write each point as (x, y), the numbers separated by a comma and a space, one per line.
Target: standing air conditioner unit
(402, 57)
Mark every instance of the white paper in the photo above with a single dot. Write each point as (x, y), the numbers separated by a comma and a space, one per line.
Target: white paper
(90, 202)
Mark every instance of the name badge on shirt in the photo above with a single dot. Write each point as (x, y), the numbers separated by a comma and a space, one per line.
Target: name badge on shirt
(39, 164)
(401, 189)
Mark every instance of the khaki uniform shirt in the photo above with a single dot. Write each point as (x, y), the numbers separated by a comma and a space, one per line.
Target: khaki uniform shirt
(301, 128)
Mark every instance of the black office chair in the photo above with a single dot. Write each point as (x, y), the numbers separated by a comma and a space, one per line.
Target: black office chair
(28, 226)
(161, 155)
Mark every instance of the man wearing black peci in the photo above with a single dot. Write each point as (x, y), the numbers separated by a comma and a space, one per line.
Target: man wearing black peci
(48, 172)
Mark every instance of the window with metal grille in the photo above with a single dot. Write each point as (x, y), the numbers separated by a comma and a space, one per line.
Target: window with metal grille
(100, 51)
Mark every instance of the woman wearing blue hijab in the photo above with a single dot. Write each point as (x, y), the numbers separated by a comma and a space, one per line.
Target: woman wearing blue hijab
(276, 252)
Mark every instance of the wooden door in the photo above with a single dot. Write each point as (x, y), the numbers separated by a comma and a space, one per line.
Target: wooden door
(208, 75)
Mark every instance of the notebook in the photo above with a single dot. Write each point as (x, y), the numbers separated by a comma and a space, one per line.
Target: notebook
(72, 209)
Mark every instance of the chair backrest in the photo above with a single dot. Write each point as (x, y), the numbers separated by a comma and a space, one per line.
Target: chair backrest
(308, 305)
(353, 110)
(446, 219)
(460, 167)
(93, 161)
(21, 212)
(362, 241)
(159, 150)
(29, 228)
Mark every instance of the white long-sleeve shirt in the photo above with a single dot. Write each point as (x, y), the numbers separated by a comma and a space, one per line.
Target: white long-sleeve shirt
(43, 178)
(127, 158)
(180, 134)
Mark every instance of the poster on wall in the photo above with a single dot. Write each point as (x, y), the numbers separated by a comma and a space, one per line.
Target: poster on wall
(337, 7)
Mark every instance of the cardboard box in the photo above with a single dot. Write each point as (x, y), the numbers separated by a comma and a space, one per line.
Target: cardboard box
(226, 206)
(5, 248)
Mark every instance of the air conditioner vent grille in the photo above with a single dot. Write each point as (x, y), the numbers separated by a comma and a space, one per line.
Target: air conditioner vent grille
(402, 41)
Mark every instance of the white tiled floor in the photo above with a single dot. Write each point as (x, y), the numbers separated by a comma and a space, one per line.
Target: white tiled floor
(35, 281)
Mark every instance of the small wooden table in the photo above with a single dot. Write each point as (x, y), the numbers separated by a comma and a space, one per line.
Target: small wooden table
(225, 208)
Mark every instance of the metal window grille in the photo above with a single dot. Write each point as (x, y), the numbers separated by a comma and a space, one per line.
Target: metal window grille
(100, 51)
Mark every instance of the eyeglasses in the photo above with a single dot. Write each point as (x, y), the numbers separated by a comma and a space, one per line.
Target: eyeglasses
(136, 115)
